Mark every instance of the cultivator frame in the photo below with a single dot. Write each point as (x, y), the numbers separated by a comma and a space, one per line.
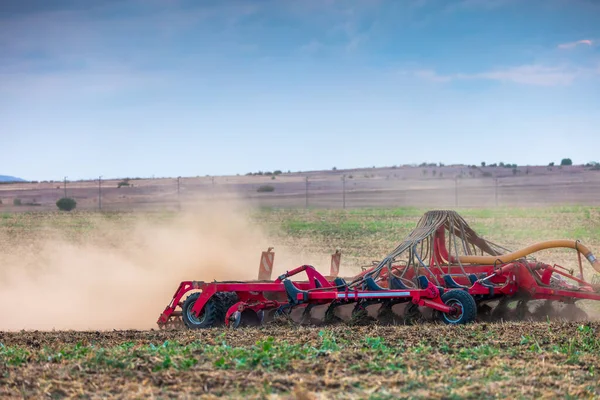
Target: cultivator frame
(443, 265)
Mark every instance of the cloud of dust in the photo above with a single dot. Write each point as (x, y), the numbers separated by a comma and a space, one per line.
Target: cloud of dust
(124, 278)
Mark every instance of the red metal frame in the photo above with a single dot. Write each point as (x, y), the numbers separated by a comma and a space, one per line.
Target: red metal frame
(522, 277)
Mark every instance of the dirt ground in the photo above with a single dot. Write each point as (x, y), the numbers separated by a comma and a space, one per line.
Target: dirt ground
(481, 361)
(110, 271)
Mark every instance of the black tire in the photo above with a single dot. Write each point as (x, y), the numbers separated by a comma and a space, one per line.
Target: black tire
(465, 301)
(208, 316)
(223, 302)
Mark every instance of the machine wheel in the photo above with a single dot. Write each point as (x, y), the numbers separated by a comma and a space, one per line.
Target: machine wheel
(466, 303)
(224, 301)
(208, 315)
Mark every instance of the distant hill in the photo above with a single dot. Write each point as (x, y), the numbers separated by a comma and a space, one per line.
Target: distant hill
(6, 178)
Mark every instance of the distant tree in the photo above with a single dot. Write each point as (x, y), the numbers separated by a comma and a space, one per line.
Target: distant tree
(334, 169)
(66, 204)
(483, 163)
(277, 172)
(501, 164)
(551, 164)
(265, 189)
(566, 161)
(17, 202)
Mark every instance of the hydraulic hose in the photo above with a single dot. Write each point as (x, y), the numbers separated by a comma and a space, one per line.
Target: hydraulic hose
(550, 244)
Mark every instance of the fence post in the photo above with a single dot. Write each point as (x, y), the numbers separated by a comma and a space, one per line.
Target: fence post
(456, 191)
(496, 192)
(100, 192)
(344, 191)
(306, 206)
(178, 198)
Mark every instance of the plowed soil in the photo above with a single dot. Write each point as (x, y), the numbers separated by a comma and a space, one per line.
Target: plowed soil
(508, 360)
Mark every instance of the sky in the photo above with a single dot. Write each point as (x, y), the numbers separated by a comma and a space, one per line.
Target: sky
(170, 88)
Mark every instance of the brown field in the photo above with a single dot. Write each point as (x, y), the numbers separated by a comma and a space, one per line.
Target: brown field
(451, 186)
(482, 361)
(87, 288)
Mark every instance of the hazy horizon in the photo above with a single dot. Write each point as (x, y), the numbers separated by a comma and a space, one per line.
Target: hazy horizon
(178, 88)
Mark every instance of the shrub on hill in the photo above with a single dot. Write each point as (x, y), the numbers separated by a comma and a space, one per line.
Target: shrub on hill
(265, 189)
(566, 161)
(66, 204)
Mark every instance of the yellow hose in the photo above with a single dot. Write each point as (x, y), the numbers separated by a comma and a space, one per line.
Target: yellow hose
(550, 244)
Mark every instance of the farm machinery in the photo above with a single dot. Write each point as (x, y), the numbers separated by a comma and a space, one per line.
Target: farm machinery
(442, 269)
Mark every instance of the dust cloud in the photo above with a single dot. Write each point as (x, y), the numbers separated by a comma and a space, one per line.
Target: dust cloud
(124, 278)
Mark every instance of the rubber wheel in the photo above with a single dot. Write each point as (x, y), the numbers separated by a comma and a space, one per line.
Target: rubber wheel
(466, 303)
(208, 316)
(223, 301)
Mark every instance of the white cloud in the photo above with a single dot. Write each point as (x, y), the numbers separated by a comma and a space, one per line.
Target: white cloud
(530, 75)
(311, 47)
(432, 76)
(572, 45)
(537, 75)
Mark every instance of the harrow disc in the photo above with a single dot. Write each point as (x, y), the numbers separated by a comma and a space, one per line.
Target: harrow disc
(247, 317)
(173, 323)
(386, 316)
(360, 315)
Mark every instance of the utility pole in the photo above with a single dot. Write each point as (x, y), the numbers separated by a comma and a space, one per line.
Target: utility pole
(178, 199)
(496, 192)
(344, 191)
(306, 192)
(66, 186)
(100, 192)
(456, 191)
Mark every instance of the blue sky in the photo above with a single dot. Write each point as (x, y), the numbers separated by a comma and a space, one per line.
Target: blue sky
(168, 87)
